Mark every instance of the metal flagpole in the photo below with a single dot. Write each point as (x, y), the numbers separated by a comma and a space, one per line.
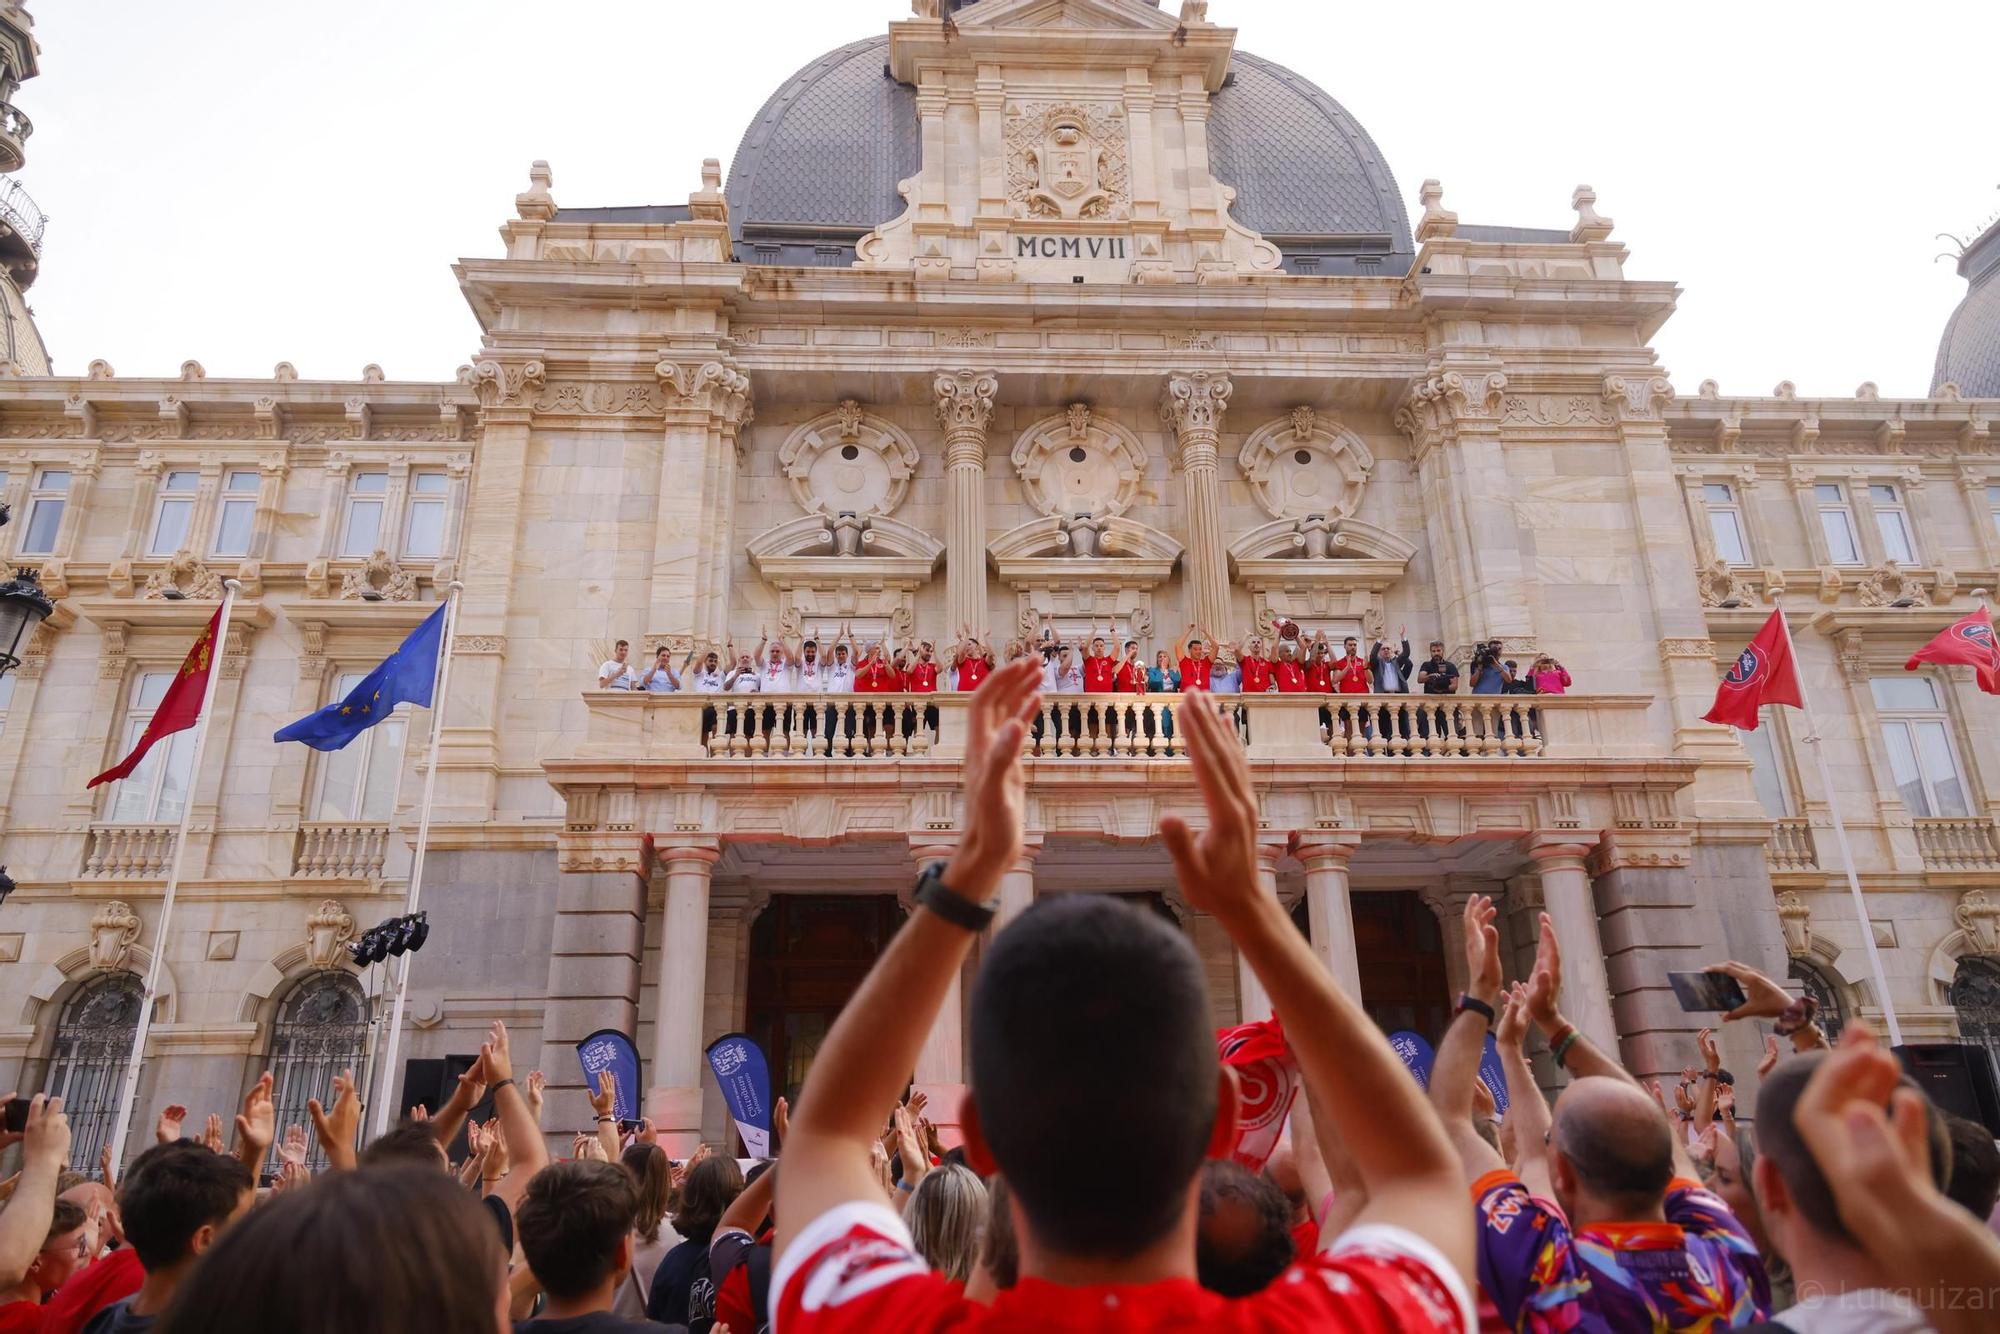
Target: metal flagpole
(129, 1094)
(388, 1072)
(1813, 739)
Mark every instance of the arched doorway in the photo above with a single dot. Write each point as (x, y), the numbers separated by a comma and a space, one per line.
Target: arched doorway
(93, 1046)
(808, 954)
(1814, 982)
(1975, 995)
(321, 1029)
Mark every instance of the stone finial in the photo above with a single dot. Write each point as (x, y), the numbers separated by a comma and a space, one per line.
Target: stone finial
(1949, 392)
(711, 175)
(1785, 389)
(191, 370)
(924, 9)
(1194, 11)
(1590, 224)
(1438, 221)
(536, 202)
(284, 370)
(113, 932)
(372, 374)
(1867, 392)
(100, 370)
(1709, 389)
(707, 204)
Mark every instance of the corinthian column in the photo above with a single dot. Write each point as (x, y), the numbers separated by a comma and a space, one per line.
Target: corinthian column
(964, 407)
(1192, 404)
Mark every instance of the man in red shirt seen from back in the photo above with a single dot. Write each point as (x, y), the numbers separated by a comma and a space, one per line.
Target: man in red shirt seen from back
(1111, 1247)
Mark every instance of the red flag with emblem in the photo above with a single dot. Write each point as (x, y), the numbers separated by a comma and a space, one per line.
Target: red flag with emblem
(1968, 640)
(1267, 1080)
(180, 707)
(1763, 674)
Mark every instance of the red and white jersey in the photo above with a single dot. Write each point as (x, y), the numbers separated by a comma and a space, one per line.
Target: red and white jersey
(1194, 673)
(972, 671)
(1257, 675)
(1098, 673)
(1291, 677)
(922, 678)
(876, 677)
(1131, 678)
(855, 1268)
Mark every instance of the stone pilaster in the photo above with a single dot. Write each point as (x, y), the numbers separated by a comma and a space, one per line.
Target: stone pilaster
(1193, 403)
(964, 402)
(595, 948)
(1572, 910)
(1252, 1001)
(1329, 906)
(708, 404)
(674, 1100)
(940, 1071)
(1017, 887)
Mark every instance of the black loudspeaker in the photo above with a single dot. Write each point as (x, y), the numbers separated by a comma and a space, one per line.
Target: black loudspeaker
(1958, 1077)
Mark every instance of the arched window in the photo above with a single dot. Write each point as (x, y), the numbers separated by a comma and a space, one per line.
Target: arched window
(1975, 994)
(322, 1029)
(87, 1065)
(1815, 983)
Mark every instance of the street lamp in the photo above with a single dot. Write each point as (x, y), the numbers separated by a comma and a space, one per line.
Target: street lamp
(23, 606)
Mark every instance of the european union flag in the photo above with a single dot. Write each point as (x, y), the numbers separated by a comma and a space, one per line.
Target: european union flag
(407, 676)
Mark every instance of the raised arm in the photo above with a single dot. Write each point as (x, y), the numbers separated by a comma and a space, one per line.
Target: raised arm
(1370, 1101)
(459, 1106)
(1527, 1111)
(1456, 1068)
(604, 1106)
(526, 1152)
(336, 1129)
(24, 1223)
(868, 1055)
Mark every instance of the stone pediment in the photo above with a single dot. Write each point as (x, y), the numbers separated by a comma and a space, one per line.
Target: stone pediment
(1280, 552)
(814, 548)
(1056, 538)
(1097, 14)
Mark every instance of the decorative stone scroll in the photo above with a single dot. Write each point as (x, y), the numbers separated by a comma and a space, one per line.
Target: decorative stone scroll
(1305, 464)
(113, 933)
(378, 580)
(848, 461)
(184, 577)
(1079, 463)
(328, 930)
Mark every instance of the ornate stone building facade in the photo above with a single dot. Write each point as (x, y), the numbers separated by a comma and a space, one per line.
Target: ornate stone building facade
(1026, 309)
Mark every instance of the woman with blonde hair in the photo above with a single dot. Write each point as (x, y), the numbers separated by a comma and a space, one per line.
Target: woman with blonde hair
(946, 1217)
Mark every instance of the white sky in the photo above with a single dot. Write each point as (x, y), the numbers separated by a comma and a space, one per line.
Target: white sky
(249, 181)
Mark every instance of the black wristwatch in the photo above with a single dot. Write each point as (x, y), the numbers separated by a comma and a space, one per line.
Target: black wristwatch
(932, 893)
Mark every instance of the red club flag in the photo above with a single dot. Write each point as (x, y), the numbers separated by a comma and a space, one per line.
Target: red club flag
(180, 707)
(1968, 640)
(1764, 674)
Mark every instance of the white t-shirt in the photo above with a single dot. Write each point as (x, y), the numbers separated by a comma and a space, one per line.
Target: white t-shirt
(811, 678)
(777, 677)
(1068, 680)
(1866, 1311)
(657, 682)
(617, 675)
(840, 678)
(746, 683)
(708, 681)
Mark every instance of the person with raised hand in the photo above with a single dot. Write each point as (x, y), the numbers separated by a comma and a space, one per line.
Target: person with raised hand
(1632, 1240)
(24, 1223)
(337, 1129)
(1110, 1247)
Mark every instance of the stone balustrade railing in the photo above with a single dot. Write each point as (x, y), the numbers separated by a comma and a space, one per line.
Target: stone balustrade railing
(1958, 844)
(129, 851)
(1792, 847)
(1388, 729)
(329, 850)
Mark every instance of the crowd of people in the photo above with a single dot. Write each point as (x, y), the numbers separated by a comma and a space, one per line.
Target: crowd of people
(1286, 662)
(1101, 1179)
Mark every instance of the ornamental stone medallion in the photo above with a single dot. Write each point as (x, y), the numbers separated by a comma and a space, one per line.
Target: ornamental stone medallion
(848, 462)
(1078, 463)
(1305, 464)
(1066, 160)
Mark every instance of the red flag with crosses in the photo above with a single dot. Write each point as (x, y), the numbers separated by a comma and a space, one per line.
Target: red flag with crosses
(180, 707)
(1764, 673)
(1968, 640)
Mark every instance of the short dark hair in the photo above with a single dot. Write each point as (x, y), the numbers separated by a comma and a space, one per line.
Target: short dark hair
(392, 1250)
(1089, 964)
(623, 644)
(570, 1221)
(67, 1216)
(172, 1191)
(406, 1142)
(1627, 1166)
(1779, 1140)
(712, 1185)
(1975, 1166)
(1240, 1252)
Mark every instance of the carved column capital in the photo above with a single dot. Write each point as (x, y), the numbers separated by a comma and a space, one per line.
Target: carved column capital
(1440, 405)
(505, 384)
(1193, 403)
(714, 387)
(964, 404)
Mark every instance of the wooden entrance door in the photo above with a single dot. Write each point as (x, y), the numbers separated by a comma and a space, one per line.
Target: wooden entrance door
(808, 954)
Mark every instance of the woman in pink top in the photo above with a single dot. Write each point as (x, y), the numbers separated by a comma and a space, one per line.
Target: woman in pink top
(1549, 676)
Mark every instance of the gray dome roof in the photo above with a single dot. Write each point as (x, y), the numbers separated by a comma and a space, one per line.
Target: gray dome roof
(1969, 353)
(819, 166)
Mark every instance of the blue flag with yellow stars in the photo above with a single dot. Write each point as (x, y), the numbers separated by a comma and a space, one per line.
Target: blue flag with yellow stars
(407, 676)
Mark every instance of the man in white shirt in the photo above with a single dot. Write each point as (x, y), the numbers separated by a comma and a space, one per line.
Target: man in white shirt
(743, 679)
(709, 679)
(810, 678)
(615, 674)
(660, 678)
(776, 679)
(840, 681)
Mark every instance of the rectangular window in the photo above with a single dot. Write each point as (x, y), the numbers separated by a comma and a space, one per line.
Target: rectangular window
(1767, 775)
(423, 531)
(1725, 521)
(357, 783)
(236, 517)
(361, 534)
(154, 792)
(1993, 503)
(1893, 522)
(45, 512)
(173, 513)
(1836, 521)
(1917, 732)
